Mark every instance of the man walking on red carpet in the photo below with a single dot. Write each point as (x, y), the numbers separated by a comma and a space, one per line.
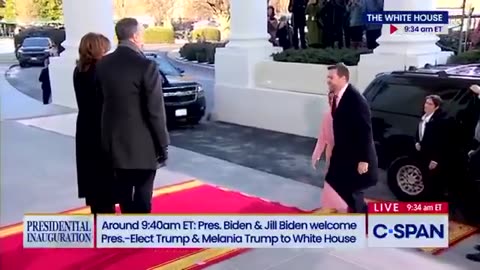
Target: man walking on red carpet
(134, 131)
(353, 164)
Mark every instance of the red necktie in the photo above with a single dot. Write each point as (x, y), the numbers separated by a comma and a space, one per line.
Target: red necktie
(334, 104)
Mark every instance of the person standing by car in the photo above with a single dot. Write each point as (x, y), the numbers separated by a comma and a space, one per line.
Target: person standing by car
(44, 79)
(474, 156)
(353, 165)
(430, 142)
(134, 128)
(94, 173)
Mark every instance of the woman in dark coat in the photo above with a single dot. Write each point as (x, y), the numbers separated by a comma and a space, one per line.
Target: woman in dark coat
(94, 174)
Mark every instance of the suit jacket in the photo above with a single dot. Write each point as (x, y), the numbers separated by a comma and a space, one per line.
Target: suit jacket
(352, 129)
(134, 131)
(433, 144)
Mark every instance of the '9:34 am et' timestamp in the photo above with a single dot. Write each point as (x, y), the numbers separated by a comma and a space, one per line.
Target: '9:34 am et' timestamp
(423, 29)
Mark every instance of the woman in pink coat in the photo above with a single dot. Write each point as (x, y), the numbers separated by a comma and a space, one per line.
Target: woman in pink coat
(325, 143)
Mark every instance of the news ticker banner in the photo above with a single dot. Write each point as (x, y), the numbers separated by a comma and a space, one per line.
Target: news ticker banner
(411, 22)
(389, 225)
(195, 231)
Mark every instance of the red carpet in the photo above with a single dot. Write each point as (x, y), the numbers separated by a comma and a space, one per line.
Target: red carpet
(196, 198)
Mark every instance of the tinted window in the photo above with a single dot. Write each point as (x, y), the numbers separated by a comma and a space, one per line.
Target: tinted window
(373, 89)
(166, 67)
(36, 42)
(400, 99)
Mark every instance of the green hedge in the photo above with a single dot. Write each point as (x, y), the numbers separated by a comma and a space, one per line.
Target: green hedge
(206, 34)
(159, 34)
(203, 52)
(468, 57)
(327, 56)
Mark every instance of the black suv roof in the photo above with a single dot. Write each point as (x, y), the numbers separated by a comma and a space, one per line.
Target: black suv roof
(469, 72)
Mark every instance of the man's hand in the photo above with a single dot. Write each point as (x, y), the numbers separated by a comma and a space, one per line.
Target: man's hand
(475, 88)
(362, 167)
(418, 146)
(432, 165)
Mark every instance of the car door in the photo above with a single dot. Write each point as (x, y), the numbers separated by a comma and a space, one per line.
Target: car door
(396, 107)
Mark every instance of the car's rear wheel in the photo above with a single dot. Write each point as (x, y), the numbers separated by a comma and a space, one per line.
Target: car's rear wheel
(406, 180)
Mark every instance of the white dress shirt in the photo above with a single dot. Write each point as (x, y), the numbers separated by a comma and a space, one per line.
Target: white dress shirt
(425, 119)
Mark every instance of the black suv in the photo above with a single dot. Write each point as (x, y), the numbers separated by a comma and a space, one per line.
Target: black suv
(184, 99)
(35, 50)
(396, 100)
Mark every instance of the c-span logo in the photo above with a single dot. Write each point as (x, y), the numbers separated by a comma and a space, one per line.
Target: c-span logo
(409, 231)
(409, 225)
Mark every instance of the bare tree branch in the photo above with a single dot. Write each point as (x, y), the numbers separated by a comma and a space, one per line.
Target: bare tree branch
(160, 10)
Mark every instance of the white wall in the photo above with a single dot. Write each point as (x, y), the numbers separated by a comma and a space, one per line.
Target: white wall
(278, 110)
(285, 97)
(296, 77)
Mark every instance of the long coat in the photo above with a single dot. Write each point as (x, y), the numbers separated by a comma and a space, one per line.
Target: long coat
(94, 172)
(314, 24)
(352, 128)
(134, 131)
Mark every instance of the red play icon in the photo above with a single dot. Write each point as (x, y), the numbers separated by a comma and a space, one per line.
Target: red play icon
(393, 29)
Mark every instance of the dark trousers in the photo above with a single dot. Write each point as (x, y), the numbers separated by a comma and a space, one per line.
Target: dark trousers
(102, 208)
(328, 37)
(299, 30)
(372, 36)
(135, 190)
(354, 199)
(46, 94)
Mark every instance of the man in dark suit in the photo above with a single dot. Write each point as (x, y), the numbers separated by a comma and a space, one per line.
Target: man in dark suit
(430, 133)
(134, 131)
(299, 21)
(431, 143)
(353, 164)
(474, 155)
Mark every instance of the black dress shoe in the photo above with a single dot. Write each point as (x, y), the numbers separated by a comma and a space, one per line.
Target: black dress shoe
(474, 257)
(477, 247)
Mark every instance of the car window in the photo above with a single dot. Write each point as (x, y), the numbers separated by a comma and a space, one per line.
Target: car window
(36, 42)
(166, 67)
(399, 99)
(372, 89)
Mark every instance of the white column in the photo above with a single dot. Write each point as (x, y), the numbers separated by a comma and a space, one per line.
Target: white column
(80, 17)
(407, 44)
(248, 23)
(236, 64)
(248, 43)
